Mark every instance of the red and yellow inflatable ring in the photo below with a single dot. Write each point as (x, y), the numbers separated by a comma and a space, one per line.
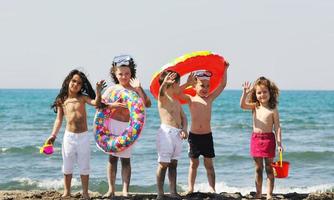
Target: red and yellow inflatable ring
(200, 60)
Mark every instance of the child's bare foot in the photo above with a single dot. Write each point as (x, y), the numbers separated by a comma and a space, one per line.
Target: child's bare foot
(258, 196)
(66, 195)
(125, 194)
(109, 194)
(211, 190)
(85, 196)
(269, 197)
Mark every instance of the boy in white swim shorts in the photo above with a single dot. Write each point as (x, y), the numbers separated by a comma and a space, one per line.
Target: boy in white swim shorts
(169, 143)
(172, 130)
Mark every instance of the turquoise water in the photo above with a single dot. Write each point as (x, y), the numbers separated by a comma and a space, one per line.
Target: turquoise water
(307, 120)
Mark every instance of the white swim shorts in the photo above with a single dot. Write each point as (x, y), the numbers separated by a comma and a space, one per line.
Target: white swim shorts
(76, 149)
(117, 127)
(169, 143)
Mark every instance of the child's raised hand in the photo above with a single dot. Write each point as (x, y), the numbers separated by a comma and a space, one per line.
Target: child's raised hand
(118, 104)
(191, 79)
(101, 85)
(170, 78)
(246, 87)
(227, 64)
(134, 82)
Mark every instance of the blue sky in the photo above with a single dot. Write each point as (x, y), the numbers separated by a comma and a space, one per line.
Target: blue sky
(290, 42)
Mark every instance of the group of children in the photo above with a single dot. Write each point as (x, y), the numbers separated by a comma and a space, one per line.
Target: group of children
(76, 91)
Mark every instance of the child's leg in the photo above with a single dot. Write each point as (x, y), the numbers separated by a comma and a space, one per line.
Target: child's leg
(111, 174)
(85, 182)
(67, 185)
(194, 162)
(258, 176)
(161, 173)
(210, 172)
(172, 173)
(126, 175)
(270, 177)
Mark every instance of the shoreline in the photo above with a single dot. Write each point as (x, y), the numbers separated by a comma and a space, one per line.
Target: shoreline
(53, 194)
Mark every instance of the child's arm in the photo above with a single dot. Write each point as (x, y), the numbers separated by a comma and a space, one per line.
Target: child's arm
(56, 125)
(245, 92)
(191, 80)
(137, 86)
(184, 123)
(221, 85)
(97, 101)
(277, 128)
(169, 79)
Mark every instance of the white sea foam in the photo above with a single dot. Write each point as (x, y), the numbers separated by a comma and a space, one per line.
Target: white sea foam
(222, 187)
(46, 183)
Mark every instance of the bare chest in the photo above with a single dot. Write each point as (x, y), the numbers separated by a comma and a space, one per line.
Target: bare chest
(263, 117)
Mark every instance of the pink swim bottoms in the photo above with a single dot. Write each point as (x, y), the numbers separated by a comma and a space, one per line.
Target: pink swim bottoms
(263, 145)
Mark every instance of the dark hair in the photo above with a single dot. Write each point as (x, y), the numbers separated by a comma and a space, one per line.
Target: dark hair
(86, 89)
(164, 74)
(132, 65)
(273, 91)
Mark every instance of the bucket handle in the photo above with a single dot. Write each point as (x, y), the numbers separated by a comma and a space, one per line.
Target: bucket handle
(281, 158)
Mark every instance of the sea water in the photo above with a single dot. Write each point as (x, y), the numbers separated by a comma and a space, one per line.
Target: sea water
(307, 120)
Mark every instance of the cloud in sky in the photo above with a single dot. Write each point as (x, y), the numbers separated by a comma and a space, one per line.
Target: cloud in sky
(290, 42)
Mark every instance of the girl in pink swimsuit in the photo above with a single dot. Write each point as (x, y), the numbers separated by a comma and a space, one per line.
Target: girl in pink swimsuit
(262, 100)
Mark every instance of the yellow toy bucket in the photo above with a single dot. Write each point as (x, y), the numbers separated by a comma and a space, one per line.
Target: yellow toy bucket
(281, 168)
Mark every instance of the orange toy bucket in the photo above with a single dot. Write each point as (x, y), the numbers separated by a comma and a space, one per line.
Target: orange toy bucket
(281, 168)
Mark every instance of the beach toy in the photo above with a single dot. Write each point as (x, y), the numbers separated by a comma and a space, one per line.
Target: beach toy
(281, 168)
(46, 149)
(109, 142)
(200, 60)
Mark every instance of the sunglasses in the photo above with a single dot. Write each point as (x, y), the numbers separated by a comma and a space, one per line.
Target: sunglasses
(203, 74)
(122, 60)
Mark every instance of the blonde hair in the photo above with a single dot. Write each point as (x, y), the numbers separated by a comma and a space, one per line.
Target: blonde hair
(273, 91)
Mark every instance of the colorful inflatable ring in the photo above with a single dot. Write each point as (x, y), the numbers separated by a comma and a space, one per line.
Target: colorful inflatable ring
(109, 142)
(200, 60)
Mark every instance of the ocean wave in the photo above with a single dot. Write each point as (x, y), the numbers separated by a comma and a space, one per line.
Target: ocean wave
(30, 184)
(223, 187)
(32, 149)
(24, 149)
(102, 186)
(310, 155)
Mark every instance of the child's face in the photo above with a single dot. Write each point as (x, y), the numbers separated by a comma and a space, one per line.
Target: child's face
(202, 87)
(75, 84)
(262, 94)
(123, 75)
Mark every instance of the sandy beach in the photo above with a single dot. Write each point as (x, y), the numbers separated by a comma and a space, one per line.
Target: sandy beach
(38, 194)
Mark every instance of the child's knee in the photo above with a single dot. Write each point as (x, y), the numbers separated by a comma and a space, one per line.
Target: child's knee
(125, 162)
(270, 172)
(163, 165)
(194, 164)
(173, 164)
(208, 164)
(259, 169)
